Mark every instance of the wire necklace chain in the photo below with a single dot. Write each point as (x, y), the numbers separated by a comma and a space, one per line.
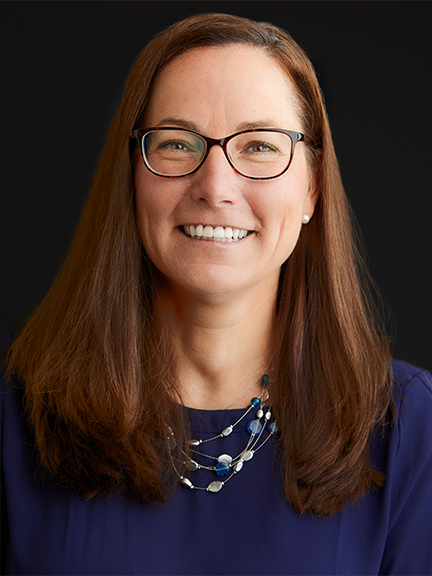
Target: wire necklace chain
(227, 465)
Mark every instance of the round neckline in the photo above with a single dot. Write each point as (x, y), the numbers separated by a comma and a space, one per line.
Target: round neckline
(214, 421)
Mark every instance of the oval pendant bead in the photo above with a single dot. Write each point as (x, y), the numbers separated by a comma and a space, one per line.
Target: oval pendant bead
(254, 427)
(248, 455)
(225, 458)
(192, 466)
(170, 444)
(222, 469)
(186, 482)
(194, 442)
(238, 466)
(214, 486)
(255, 402)
(260, 413)
(268, 415)
(264, 379)
(227, 431)
(274, 428)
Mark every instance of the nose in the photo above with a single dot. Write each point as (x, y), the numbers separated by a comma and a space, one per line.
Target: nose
(216, 182)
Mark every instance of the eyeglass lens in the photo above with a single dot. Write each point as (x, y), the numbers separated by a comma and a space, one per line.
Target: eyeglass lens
(255, 154)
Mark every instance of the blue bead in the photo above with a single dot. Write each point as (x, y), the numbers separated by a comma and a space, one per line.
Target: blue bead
(274, 428)
(254, 427)
(222, 469)
(264, 379)
(255, 402)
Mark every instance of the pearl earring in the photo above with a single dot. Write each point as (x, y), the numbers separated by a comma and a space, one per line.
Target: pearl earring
(305, 219)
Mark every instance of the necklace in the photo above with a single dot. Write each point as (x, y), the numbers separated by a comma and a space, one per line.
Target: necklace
(248, 390)
(225, 464)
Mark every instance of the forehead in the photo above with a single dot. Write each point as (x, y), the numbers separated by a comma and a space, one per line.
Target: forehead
(224, 86)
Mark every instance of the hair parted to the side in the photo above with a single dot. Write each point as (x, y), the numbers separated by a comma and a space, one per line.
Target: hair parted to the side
(95, 365)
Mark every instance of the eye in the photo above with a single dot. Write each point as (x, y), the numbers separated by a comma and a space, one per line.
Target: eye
(176, 145)
(260, 148)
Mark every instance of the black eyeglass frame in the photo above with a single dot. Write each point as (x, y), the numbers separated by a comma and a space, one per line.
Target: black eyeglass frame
(140, 134)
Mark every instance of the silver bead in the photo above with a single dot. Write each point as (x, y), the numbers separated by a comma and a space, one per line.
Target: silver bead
(260, 413)
(268, 415)
(186, 482)
(248, 455)
(227, 432)
(192, 466)
(238, 466)
(194, 442)
(225, 458)
(214, 486)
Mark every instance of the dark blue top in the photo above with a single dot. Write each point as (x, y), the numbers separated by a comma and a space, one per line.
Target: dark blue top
(246, 528)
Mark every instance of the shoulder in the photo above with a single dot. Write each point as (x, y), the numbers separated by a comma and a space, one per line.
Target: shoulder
(410, 457)
(412, 390)
(9, 397)
(405, 374)
(407, 465)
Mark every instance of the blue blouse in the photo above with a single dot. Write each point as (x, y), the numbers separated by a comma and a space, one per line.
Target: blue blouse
(246, 528)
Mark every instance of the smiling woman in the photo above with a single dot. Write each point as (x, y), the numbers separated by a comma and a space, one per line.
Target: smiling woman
(214, 196)
(210, 355)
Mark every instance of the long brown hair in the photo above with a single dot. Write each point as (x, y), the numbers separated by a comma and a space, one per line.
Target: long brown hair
(96, 365)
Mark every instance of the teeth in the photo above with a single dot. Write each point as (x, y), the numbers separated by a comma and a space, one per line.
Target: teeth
(218, 234)
(208, 232)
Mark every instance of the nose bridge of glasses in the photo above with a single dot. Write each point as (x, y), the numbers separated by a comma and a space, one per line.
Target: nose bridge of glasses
(211, 142)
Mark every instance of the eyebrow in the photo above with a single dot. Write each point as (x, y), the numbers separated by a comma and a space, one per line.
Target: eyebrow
(242, 126)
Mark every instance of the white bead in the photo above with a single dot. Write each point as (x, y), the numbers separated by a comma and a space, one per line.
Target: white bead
(238, 466)
(215, 486)
(305, 219)
(225, 458)
(227, 431)
(248, 455)
(260, 413)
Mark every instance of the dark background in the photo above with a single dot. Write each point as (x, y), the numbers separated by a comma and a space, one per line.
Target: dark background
(63, 65)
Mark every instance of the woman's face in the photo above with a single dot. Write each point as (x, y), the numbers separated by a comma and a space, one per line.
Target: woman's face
(220, 91)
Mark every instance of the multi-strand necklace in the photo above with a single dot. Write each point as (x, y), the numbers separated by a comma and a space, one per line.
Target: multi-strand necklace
(226, 466)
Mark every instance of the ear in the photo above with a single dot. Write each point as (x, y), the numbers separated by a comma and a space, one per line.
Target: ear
(312, 196)
(314, 189)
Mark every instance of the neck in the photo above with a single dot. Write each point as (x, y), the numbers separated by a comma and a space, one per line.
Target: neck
(222, 346)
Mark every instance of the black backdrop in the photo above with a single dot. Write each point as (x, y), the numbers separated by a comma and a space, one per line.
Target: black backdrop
(63, 68)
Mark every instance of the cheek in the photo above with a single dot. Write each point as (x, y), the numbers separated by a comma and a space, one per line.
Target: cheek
(149, 197)
(147, 209)
(284, 207)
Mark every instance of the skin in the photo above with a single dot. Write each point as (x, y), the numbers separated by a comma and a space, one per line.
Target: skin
(219, 298)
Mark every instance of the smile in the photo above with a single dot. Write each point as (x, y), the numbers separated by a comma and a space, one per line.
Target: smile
(217, 234)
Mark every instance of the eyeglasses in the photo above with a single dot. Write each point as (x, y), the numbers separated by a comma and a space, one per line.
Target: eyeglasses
(260, 154)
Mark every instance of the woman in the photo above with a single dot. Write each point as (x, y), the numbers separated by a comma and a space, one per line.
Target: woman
(206, 389)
